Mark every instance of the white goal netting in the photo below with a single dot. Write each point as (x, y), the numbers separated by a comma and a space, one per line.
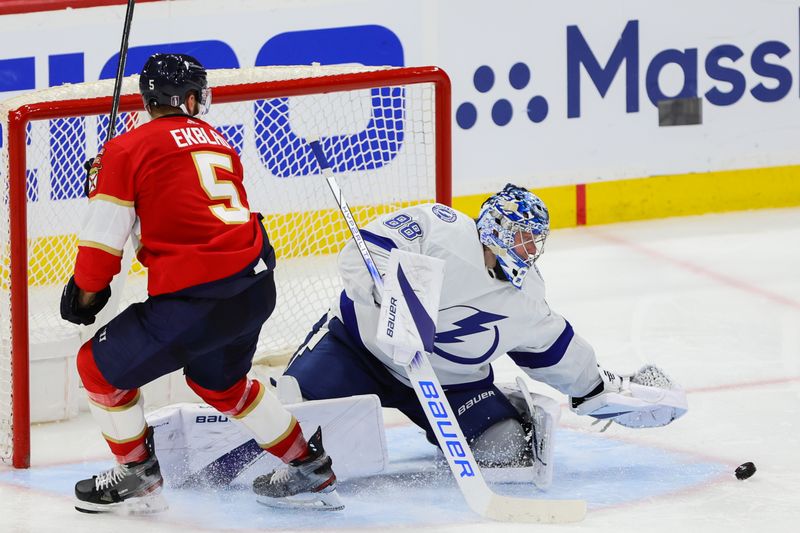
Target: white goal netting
(382, 140)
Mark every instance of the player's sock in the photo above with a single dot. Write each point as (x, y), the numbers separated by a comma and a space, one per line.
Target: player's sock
(118, 412)
(252, 405)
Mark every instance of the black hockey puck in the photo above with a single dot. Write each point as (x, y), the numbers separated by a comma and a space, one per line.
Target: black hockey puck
(745, 470)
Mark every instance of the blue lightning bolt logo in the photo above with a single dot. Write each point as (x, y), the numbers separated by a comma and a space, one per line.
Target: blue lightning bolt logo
(471, 325)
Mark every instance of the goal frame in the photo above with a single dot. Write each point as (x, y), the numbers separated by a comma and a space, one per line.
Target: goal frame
(19, 118)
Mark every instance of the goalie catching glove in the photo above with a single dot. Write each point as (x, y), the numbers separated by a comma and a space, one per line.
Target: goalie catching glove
(72, 312)
(648, 398)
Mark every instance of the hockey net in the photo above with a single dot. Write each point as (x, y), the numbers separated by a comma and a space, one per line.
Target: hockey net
(386, 131)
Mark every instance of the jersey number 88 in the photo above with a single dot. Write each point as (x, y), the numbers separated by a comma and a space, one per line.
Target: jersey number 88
(403, 223)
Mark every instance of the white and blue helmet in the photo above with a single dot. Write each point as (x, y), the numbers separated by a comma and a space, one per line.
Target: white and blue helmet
(509, 224)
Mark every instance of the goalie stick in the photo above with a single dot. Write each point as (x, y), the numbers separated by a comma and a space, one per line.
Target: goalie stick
(480, 498)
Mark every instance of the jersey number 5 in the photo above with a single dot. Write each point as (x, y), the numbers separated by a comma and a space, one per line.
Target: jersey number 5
(207, 164)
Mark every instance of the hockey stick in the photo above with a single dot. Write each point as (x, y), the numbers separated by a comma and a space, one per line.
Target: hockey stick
(123, 57)
(117, 284)
(480, 498)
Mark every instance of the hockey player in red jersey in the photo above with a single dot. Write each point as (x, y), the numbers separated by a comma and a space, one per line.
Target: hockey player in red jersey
(175, 186)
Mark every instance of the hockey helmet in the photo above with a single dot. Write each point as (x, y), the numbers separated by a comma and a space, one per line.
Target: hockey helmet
(167, 79)
(510, 222)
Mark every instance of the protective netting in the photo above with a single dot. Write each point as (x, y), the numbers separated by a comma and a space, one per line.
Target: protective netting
(381, 142)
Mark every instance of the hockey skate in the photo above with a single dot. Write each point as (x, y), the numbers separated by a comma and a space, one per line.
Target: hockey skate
(305, 483)
(132, 488)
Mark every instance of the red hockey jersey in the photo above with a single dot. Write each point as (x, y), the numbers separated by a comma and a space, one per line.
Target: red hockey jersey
(175, 185)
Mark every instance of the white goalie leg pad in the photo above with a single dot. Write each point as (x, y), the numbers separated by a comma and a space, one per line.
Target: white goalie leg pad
(648, 398)
(193, 439)
(501, 445)
(545, 414)
(541, 414)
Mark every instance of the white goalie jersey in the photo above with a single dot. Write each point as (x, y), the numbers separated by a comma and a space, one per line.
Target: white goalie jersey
(480, 318)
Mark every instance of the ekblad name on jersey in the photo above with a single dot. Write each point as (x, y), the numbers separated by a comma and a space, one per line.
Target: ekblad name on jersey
(480, 318)
(175, 185)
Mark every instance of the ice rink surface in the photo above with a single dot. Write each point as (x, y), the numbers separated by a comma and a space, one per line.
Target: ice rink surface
(714, 300)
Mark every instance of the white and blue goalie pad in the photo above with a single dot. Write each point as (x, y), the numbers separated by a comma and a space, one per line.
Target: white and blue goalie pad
(198, 446)
(541, 415)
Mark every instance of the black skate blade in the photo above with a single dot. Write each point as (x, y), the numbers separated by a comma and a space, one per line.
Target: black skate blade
(310, 501)
(88, 511)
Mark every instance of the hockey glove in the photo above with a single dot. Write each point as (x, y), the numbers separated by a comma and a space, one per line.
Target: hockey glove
(72, 312)
(87, 165)
(646, 399)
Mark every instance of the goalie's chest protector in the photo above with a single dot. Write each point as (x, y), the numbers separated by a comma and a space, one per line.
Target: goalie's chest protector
(480, 318)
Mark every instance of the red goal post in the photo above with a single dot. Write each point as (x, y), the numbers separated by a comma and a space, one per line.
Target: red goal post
(386, 130)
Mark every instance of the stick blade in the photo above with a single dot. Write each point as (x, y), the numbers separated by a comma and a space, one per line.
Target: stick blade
(509, 509)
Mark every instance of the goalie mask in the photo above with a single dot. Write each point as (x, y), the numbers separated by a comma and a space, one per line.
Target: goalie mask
(167, 79)
(514, 224)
